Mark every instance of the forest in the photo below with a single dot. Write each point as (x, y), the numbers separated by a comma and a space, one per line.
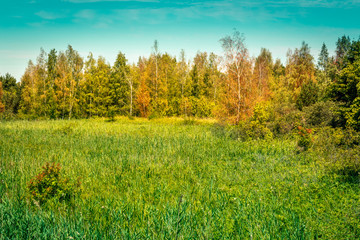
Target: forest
(232, 88)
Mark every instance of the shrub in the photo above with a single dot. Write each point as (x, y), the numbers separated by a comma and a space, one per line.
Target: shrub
(305, 140)
(341, 150)
(201, 107)
(285, 119)
(256, 130)
(308, 95)
(321, 114)
(50, 185)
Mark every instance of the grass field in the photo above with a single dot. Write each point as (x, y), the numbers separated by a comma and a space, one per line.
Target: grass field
(165, 179)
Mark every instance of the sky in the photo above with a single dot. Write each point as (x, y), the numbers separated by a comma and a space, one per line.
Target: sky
(106, 27)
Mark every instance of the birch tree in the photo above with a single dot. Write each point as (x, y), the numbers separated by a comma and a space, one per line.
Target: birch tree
(237, 65)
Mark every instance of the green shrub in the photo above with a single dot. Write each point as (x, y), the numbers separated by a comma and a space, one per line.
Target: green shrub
(256, 130)
(321, 114)
(50, 185)
(201, 107)
(285, 119)
(258, 125)
(341, 150)
(308, 95)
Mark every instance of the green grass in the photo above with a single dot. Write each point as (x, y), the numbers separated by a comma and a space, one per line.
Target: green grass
(166, 179)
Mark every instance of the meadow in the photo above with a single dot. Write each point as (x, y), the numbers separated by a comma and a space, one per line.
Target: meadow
(170, 179)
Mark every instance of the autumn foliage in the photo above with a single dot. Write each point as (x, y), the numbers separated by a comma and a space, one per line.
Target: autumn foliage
(64, 85)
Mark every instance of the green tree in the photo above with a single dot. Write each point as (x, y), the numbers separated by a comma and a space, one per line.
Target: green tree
(345, 88)
(50, 84)
(184, 85)
(119, 86)
(88, 87)
(203, 81)
(11, 93)
(29, 101)
(300, 68)
(2, 107)
(323, 60)
(342, 47)
(308, 95)
(101, 87)
(323, 72)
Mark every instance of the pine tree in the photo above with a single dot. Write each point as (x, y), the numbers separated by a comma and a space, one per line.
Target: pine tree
(342, 47)
(120, 87)
(323, 61)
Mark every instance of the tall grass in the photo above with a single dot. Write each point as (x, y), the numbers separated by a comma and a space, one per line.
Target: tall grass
(166, 179)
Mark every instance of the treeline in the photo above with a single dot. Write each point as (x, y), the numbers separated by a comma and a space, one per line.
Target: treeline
(232, 87)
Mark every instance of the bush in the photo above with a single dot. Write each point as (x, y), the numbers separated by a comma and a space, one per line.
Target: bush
(322, 114)
(305, 140)
(201, 107)
(255, 130)
(341, 150)
(308, 95)
(285, 119)
(50, 185)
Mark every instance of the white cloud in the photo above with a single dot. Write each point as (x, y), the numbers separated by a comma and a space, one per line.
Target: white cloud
(48, 15)
(86, 14)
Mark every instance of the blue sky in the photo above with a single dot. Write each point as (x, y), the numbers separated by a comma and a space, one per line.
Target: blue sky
(106, 27)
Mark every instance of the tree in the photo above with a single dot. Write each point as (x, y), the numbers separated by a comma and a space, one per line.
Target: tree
(323, 61)
(183, 74)
(309, 95)
(345, 90)
(2, 107)
(238, 64)
(29, 88)
(11, 93)
(75, 63)
(88, 87)
(342, 47)
(155, 56)
(131, 79)
(62, 90)
(101, 79)
(143, 94)
(119, 85)
(325, 67)
(262, 74)
(50, 84)
(300, 68)
(40, 81)
(203, 79)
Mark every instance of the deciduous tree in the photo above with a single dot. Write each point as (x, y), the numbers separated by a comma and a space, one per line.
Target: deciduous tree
(235, 99)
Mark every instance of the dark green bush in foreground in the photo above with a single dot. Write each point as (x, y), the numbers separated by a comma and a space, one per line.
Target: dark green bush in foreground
(51, 185)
